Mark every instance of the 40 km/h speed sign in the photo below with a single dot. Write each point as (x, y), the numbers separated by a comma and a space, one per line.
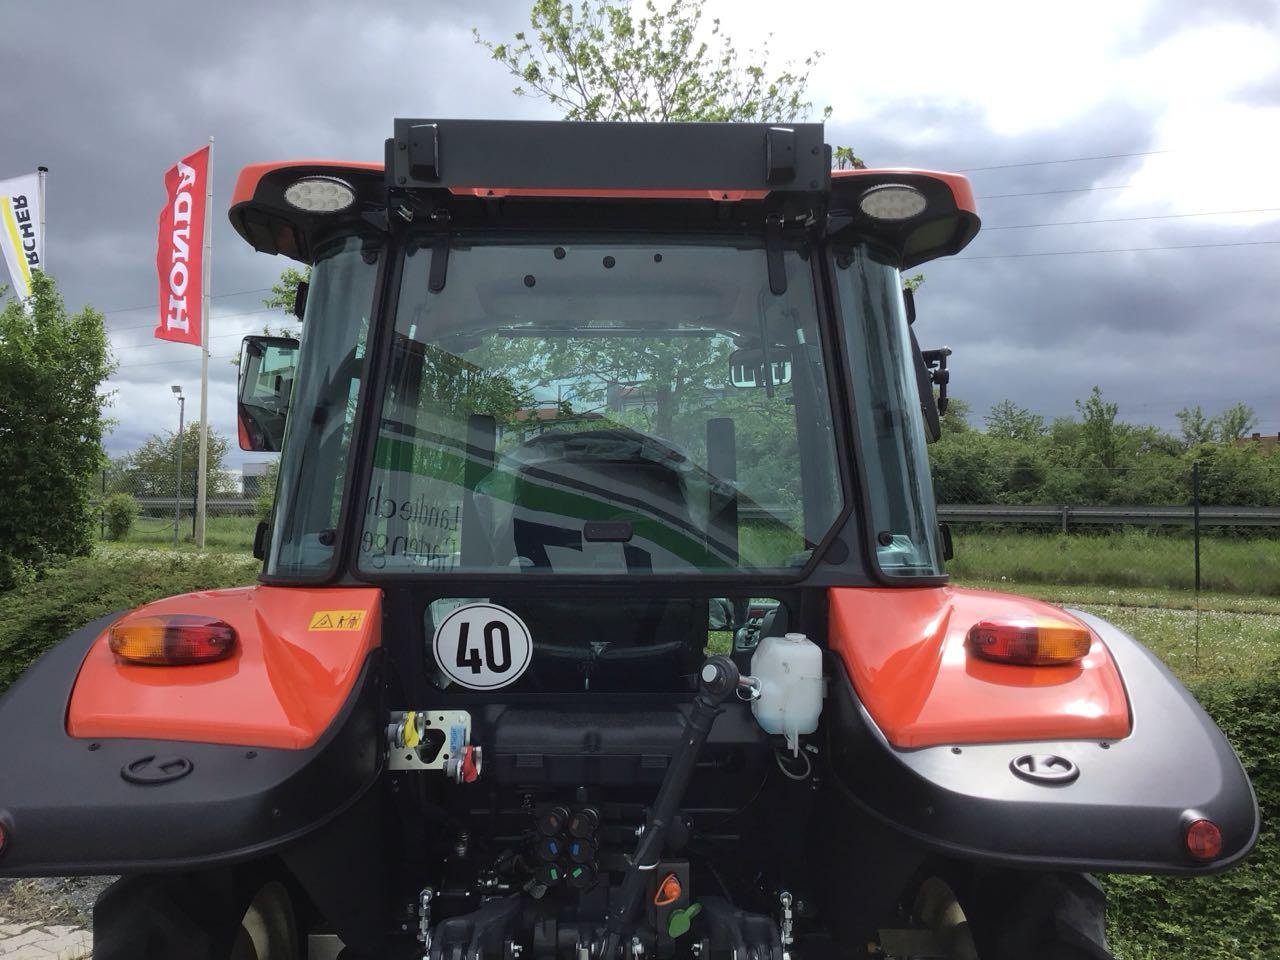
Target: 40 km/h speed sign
(482, 646)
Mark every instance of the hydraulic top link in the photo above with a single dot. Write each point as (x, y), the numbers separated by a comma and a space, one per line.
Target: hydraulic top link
(718, 680)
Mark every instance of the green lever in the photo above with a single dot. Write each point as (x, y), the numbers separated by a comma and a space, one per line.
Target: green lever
(682, 920)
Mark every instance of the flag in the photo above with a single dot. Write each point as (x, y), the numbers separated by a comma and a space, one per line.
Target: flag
(180, 249)
(20, 233)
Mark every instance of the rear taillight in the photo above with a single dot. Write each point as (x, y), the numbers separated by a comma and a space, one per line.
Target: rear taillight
(1203, 839)
(1032, 641)
(172, 639)
(4, 838)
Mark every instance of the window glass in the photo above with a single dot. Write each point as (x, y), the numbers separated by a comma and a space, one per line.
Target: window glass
(890, 425)
(572, 408)
(331, 362)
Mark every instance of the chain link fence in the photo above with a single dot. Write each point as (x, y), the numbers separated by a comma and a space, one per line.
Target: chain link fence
(1200, 533)
(136, 508)
(1186, 539)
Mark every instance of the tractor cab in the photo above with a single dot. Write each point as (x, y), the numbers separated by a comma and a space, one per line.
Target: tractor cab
(667, 361)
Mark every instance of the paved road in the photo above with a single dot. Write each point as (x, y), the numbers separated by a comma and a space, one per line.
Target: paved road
(27, 941)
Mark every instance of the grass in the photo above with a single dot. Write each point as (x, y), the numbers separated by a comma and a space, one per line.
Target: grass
(221, 534)
(1132, 558)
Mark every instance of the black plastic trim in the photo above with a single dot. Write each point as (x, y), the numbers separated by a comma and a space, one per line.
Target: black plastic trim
(1124, 813)
(68, 810)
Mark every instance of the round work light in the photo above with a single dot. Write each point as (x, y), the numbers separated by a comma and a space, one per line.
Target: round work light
(320, 194)
(892, 201)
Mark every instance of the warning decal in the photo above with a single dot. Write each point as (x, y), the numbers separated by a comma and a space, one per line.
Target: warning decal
(336, 620)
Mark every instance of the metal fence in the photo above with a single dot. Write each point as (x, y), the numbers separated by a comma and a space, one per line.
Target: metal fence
(1184, 543)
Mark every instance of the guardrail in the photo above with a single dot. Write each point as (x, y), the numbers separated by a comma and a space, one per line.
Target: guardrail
(1065, 516)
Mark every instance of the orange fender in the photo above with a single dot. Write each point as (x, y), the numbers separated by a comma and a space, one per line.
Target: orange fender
(299, 653)
(906, 655)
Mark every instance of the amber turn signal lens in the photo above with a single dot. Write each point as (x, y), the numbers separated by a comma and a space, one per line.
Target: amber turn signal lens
(1203, 839)
(1034, 642)
(172, 639)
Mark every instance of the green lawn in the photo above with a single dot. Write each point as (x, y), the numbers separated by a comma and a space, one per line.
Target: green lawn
(1132, 558)
(221, 534)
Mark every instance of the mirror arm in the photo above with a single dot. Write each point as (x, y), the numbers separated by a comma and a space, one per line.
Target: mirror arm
(936, 360)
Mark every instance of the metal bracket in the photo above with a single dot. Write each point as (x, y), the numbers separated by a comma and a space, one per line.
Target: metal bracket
(412, 744)
(439, 251)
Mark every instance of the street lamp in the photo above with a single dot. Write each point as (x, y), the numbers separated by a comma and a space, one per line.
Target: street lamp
(177, 477)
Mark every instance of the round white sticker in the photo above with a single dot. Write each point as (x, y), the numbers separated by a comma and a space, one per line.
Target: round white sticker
(482, 646)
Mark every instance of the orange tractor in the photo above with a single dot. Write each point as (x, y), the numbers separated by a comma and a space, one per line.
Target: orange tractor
(603, 612)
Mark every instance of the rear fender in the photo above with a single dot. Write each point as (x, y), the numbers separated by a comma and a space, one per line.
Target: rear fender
(262, 762)
(1127, 809)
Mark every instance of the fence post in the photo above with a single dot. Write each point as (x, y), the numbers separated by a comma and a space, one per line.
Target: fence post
(1066, 512)
(1195, 517)
(1195, 536)
(102, 508)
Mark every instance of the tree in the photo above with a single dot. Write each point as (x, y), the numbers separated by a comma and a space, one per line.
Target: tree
(1009, 421)
(1196, 427)
(149, 470)
(1098, 434)
(52, 368)
(1234, 422)
(599, 61)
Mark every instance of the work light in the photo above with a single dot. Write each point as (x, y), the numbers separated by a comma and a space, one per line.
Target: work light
(892, 201)
(320, 194)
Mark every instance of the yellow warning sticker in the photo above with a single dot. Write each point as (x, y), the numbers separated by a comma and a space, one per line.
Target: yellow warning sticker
(337, 620)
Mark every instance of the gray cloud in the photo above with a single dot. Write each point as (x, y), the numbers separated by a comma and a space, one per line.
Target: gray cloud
(119, 91)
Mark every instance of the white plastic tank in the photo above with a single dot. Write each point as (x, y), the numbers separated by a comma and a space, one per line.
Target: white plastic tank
(789, 671)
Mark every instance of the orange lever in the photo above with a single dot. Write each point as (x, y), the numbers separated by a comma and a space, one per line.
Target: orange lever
(668, 892)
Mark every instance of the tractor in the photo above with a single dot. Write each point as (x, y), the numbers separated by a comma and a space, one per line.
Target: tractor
(603, 611)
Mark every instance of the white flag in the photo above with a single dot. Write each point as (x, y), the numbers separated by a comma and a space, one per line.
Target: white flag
(20, 230)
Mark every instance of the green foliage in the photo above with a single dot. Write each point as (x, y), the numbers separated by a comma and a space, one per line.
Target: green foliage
(41, 611)
(120, 510)
(265, 505)
(1099, 459)
(600, 60)
(1232, 914)
(149, 470)
(1009, 421)
(52, 367)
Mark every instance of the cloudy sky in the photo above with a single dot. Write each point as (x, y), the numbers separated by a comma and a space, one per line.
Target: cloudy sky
(1099, 136)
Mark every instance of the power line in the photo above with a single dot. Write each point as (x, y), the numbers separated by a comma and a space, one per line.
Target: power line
(1045, 163)
(1074, 253)
(161, 363)
(1050, 193)
(1165, 216)
(152, 306)
(158, 343)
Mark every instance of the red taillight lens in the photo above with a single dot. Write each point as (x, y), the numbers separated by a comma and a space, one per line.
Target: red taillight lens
(172, 639)
(4, 839)
(1037, 642)
(1203, 839)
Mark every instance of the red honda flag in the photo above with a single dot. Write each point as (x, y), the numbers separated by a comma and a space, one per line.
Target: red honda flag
(180, 249)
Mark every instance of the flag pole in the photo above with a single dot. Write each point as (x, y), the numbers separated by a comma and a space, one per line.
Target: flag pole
(43, 173)
(201, 478)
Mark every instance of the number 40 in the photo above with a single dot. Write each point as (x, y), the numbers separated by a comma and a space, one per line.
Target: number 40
(497, 648)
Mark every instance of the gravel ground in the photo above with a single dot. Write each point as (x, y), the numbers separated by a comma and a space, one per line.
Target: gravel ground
(48, 900)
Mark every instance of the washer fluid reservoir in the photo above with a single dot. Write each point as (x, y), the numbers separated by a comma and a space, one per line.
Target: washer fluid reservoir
(789, 672)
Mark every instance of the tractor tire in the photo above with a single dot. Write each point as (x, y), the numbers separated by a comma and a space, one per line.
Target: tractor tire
(1015, 916)
(268, 930)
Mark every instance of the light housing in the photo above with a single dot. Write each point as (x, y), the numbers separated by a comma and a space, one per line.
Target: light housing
(1030, 641)
(4, 838)
(1203, 839)
(172, 639)
(892, 201)
(320, 194)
